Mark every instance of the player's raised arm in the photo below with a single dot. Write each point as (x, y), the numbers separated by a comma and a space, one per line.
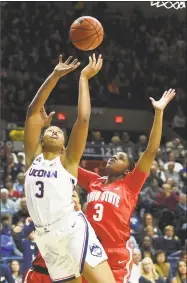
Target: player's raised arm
(34, 120)
(145, 161)
(78, 137)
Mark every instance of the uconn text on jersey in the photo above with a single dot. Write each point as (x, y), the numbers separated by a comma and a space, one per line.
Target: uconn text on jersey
(43, 173)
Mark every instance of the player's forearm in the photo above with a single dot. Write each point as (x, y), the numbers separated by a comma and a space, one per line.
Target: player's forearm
(43, 93)
(84, 105)
(156, 132)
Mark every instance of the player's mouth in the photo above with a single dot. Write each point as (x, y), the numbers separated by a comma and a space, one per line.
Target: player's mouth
(54, 137)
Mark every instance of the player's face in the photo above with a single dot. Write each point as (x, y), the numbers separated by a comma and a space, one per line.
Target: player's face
(118, 164)
(53, 136)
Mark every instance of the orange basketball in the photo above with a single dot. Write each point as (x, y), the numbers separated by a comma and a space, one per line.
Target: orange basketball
(86, 33)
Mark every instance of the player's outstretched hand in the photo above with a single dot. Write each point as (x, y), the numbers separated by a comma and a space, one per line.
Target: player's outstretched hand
(93, 67)
(46, 119)
(68, 66)
(165, 99)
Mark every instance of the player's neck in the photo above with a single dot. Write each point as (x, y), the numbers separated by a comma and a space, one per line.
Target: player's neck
(51, 155)
(111, 179)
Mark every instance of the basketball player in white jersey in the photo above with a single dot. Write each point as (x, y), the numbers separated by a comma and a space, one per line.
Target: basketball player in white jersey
(65, 239)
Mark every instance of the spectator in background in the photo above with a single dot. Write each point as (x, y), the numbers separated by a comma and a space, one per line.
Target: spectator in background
(148, 272)
(19, 184)
(181, 276)
(22, 213)
(147, 249)
(7, 205)
(183, 256)
(13, 193)
(167, 198)
(183, 172)
(8, 246)
(149, 220)
(27, 246)
(181, 218)
(141, 145)
(160, 159)
(5, 274)
(116, 143)
(160, 173)
(178, 167)
(149, 231)
(97, 138)
(15, 269)
(162, 267)
(6, 225)
(169, 242)
(12, 167)
(128, 145)
(136, 268)
(171, 173)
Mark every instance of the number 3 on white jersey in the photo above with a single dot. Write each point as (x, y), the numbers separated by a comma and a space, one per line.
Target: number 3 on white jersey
(99, 212)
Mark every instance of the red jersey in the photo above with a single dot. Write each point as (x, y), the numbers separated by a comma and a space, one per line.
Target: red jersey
(39, 261)
(109, 207)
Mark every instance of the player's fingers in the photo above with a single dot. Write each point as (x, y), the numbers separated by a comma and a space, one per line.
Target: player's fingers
(76, 65)
(98, 62)
(94, 60)
(170, 93)
(90, 61)
(152, 99)
(52, 114)
(74, 62)
(60, 58)
(165, 93)
(68, 60)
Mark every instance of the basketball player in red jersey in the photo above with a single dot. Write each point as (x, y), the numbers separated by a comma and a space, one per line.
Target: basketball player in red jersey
(111, 200)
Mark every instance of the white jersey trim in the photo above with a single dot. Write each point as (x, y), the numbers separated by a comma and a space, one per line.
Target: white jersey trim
(129, 262)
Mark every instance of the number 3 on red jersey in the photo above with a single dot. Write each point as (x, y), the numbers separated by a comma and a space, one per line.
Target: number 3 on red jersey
(98, 212)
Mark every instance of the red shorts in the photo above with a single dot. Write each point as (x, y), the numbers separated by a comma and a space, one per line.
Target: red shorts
(120, 262)
(32, 276)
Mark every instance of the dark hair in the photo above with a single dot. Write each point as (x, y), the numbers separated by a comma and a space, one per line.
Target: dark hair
(144, 218)
(157, 253)
(19, 272)
(5, 217)
(178, 274)
(132, 163)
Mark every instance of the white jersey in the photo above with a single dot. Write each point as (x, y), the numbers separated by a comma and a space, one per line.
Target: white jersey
(49, 187)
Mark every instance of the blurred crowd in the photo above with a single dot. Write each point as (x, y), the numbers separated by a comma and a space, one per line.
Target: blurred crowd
(143, 56)
(158, 226)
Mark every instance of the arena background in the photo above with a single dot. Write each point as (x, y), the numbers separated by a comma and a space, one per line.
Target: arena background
(144, 54)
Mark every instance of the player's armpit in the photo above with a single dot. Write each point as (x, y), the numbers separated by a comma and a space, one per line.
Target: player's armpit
(85, 178)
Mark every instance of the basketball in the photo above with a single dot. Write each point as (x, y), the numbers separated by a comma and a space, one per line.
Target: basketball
(86, 33)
